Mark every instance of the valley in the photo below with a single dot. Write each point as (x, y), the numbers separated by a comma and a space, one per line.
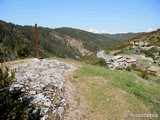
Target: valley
(18, 41)
(79, 60)
(79, 75)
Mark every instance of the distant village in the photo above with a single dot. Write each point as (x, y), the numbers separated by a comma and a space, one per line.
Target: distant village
(119, 60)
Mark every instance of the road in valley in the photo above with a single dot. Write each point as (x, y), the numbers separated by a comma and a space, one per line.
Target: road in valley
(101, 54)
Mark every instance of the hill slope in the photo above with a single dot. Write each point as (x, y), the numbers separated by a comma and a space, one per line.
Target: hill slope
(62, 42)
(122, 36)
(91, 41)
(151, 38)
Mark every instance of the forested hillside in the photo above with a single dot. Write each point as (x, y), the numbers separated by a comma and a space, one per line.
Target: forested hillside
(19, 41)
(91, 41)
(122, 36)
(151, 39)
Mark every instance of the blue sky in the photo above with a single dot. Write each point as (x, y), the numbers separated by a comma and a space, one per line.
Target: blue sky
(112, 16)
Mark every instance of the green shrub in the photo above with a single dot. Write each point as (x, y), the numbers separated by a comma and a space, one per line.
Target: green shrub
(5, 78)
(153, 74)
(128, 69)
(11, 107)
(143, 74)
(22, 50)
(93, 60)
(134, 66)
(100, 62)
(117, 53)
(148, 53)
(107, 52)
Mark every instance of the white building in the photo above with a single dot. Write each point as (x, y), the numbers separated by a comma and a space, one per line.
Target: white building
(120, 61)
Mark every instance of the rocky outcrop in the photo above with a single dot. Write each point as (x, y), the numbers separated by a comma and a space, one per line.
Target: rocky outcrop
(73, 42)
(43, 80)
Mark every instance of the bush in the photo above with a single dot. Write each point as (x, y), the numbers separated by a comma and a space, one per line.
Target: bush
(153, 74)
(118, 53)
(134, 66)
(100, 62)
(144, 74)
(148, 53)
(93, 60)
(11, 107)
(128, 69)
(107, 52)
(22, 50)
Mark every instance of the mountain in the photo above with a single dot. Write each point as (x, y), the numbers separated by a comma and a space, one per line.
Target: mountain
(91, 41)
(122, 36)
(93, 92)
(150, 39)
(19, 41)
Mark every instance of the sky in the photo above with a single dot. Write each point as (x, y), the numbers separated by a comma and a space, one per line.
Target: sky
(98, 16)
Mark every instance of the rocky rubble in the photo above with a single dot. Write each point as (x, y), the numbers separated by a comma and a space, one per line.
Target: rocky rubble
(43, 80)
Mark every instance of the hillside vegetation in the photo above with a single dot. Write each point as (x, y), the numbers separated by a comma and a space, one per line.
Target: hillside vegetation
(91, 41)
(61, 42)
(152, 38)
(122, 36)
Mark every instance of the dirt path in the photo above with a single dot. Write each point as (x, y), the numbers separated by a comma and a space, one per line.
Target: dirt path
(78, 108)
(52, 90)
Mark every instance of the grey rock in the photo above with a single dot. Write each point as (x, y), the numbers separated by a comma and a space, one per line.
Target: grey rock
(44, 111)
(23, 90)
(32, 92)
(32, 75)
(58, 111)
(17, 86)
(44, 81)
(44, 117)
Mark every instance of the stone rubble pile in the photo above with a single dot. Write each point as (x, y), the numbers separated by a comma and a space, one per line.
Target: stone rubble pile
(43, 80)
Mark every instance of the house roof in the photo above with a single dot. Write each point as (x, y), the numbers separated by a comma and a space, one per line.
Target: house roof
(131, 60)
(117, 57)
(154, 68)
(121, 59)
